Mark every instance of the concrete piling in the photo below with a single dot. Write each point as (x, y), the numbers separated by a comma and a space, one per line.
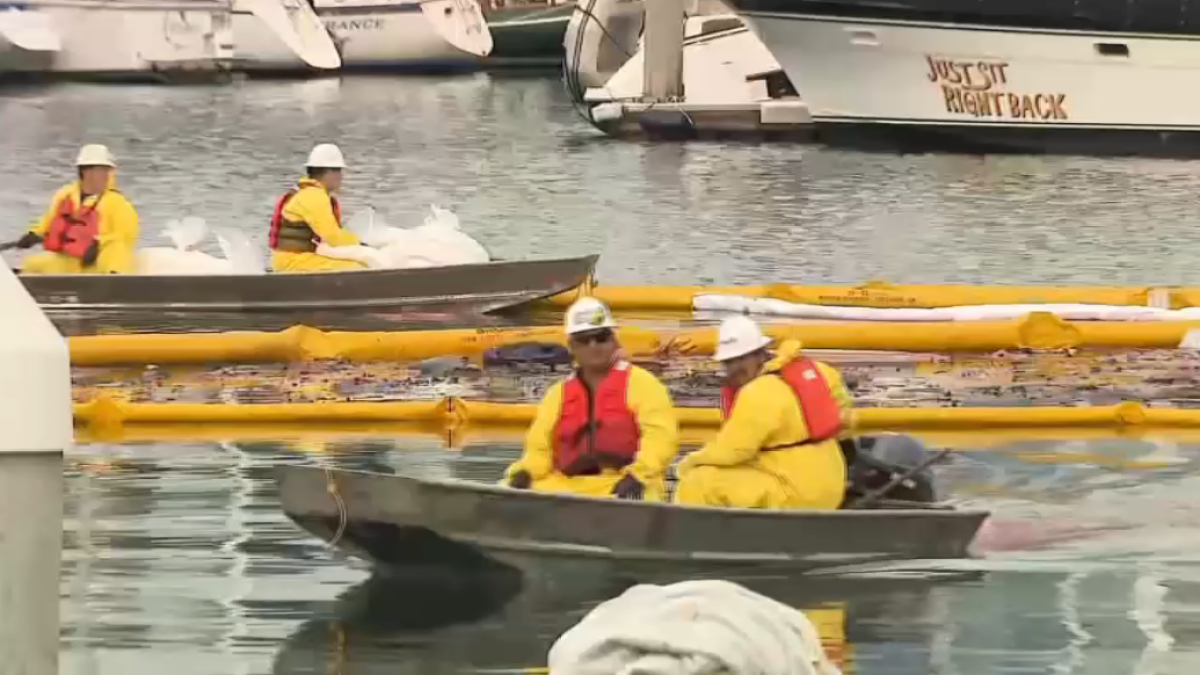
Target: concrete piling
(35, 430)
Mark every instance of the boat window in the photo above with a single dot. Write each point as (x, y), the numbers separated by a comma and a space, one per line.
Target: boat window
(719, 24)
(859, 36)
(1112, 49)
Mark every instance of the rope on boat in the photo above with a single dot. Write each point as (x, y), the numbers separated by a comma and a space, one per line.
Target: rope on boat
(343, 519)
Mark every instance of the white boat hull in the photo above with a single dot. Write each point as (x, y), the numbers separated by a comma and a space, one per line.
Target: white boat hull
(281, 35)
(992, 88)
(385, 35)
(378, 34)
(715, 67)
(732, 86)
(28, 39)
(138, 37)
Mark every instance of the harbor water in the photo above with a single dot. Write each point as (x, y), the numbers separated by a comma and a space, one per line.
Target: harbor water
(177, 557)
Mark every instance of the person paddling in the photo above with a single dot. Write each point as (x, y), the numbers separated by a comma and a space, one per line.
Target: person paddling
(608, 430)
(89, 228)
(778, 444)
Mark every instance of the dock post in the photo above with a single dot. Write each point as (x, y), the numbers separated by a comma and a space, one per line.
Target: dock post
(35, 430)
(663, 65)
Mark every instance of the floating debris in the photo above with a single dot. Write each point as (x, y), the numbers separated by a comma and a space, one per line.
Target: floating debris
(1003, 379)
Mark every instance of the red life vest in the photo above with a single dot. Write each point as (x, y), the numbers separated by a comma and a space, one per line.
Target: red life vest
(821, 412)
(277, 220)
(73, 231)
(594, 434)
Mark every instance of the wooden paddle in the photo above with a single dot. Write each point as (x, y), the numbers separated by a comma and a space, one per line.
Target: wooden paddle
(876, 495)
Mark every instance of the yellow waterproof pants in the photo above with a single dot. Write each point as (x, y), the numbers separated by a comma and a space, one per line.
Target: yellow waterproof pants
(749, 487)
(600, 485)
(113, 259)
(289, 261)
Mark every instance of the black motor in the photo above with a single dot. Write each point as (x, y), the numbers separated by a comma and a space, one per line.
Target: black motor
(873, 461)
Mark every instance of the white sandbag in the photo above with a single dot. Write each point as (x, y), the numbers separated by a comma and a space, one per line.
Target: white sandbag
(243, 256)
(168, 261)
(1075, 312)
(705, 627)
(180, 260)
(371, 229)
(186, 233)
(366, 255)
(437, 242)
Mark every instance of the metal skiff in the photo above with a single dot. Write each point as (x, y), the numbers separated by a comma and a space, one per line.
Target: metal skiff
(493, 286)
(399, 520)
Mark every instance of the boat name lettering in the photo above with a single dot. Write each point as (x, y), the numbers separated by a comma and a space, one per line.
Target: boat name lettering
(354, 24)
(853, 298)
(977, 88)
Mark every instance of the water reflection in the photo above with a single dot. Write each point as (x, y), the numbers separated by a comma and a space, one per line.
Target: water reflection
(177, 557)
(493, 623)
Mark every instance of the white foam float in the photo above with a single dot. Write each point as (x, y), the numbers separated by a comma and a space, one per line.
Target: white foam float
(1072, 312)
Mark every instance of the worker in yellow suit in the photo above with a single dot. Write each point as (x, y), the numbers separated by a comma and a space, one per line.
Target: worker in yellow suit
(89, 228)
(309, 215)
(777, 447)
(607, 430)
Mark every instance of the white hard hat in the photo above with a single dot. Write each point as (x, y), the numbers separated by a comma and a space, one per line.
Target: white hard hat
(326, 156)
(95, 155)
(588, 314)
(738, 336)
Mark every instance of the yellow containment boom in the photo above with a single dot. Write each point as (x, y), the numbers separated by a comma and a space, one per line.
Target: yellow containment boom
(1039, 330)
(882, 294)
(452, 413)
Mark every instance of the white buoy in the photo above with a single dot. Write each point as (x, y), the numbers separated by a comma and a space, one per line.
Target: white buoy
(35, 430)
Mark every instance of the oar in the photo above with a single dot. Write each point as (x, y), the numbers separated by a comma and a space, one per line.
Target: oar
(876, 495)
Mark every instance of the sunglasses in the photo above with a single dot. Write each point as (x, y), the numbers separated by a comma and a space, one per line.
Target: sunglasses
(598, 337)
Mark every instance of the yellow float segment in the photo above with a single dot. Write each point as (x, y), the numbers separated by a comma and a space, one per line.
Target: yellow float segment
(1038, 330)
(105, 413)
(883, 294)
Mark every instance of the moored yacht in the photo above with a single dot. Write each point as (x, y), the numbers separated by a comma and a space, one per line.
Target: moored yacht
(1072, 76)
(142, 39)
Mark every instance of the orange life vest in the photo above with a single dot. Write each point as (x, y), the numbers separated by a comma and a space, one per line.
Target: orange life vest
(278, 222)
(822, 415)
(73, 230)
(598, 430)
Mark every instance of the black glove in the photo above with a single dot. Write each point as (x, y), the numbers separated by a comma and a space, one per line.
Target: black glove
(29, 240)
(629, 488)
(93, 252)
(520, 480)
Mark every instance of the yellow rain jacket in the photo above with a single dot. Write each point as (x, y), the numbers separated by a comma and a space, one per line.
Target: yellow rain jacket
(650, 403)
(118, 234)
(312, 206)
(732, 471)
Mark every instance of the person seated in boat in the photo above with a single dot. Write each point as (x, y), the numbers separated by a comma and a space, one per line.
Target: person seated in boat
(608, 429)
(778, 444)
(308, 215)
(89, 228)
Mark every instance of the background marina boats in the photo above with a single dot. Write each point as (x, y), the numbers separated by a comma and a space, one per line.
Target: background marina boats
(730, 82)
(28, 38)
(431, 35)
(141, 38)
(153, 39)
(991, 76)
(527, 32)
(281, 35)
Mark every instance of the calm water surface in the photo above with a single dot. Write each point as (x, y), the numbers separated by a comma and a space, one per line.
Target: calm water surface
(178, 560)
(528, 178)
